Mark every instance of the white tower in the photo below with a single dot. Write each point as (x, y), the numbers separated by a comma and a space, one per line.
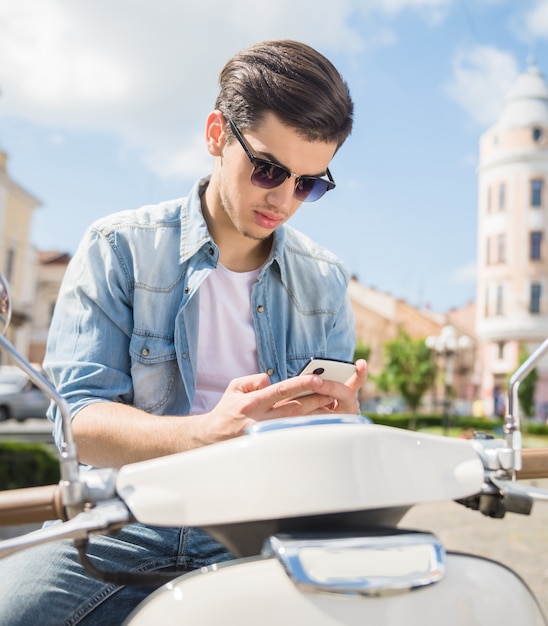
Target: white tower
(512, 284)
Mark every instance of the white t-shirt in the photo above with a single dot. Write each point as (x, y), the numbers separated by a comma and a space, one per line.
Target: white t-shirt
(227, 345)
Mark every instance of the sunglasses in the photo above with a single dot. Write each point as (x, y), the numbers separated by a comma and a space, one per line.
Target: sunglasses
(268, 175)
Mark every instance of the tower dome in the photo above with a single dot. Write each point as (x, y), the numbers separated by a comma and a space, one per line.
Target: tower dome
(526, 103)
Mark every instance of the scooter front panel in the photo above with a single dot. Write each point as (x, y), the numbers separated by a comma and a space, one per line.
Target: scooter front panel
(258, 591)
(317, 469)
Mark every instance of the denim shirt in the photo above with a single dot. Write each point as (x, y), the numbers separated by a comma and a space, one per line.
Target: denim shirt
(125, 326)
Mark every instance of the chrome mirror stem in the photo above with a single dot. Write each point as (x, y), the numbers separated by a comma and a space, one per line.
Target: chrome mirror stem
(70, 475)
(512, 426)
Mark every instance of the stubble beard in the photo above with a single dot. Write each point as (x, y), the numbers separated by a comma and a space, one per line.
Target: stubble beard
(232, 216)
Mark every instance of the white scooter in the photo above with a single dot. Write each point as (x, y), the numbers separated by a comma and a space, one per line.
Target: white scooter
(310, 507)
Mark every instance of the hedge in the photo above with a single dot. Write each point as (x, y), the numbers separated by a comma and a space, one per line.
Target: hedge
(405, 420)
(27, 465)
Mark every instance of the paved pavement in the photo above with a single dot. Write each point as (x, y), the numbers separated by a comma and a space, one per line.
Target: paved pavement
(34, 429)
(518, 541)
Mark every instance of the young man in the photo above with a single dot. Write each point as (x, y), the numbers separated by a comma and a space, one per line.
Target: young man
(182, 324)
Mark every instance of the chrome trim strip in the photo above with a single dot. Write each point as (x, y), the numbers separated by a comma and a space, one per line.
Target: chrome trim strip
(365, 565)
(306, 420)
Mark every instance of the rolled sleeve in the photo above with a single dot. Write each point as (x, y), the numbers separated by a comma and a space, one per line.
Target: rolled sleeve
(87, 356)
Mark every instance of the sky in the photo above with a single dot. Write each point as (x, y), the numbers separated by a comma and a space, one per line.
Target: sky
(103, 106)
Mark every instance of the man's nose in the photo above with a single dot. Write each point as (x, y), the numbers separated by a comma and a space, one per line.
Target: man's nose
(283, 195)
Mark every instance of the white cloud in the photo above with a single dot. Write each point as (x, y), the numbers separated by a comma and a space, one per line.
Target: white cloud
(56, 67)
(535, 20)
(147, 71)
(433, 8)
(168, 163)
(481, 78)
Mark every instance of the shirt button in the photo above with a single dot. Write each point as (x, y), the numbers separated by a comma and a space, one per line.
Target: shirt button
(145, 351)
(260, 308)
(270, 371)
(187, 289)
(211, 251)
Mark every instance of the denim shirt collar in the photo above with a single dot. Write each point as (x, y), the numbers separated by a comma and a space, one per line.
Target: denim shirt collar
(276, 256)
(195, 234)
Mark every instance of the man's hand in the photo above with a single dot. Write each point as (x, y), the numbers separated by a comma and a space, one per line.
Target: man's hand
(344, 396)
(110, 434)
(252, 399)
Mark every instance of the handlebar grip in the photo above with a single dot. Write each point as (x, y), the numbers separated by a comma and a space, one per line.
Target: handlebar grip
(30, 505)
(534, 463)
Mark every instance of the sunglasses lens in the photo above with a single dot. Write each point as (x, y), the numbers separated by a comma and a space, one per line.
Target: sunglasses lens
(310, 189)
(268, 175)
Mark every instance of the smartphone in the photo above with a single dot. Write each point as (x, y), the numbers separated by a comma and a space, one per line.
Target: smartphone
(330, 369)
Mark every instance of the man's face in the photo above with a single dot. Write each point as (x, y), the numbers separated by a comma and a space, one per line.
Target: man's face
(256, 212)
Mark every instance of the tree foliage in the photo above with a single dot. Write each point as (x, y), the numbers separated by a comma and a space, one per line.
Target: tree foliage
(409, 369)
(527, 387)
(362, 351)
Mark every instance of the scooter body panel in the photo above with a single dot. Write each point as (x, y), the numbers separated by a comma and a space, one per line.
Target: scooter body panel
(257, 590)
(326, 469)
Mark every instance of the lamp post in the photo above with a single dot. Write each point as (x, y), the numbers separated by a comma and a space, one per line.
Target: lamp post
(447, 344)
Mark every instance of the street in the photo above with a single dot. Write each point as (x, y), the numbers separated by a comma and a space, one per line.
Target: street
(34, 430)
(518, 541)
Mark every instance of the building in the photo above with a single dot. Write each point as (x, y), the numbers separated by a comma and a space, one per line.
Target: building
(512, 280)
(380, 317)
(50, 270)
(17, 256)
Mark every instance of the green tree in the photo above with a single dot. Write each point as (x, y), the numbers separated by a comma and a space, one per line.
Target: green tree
(362, 351)
(527, 387)
(409, 369)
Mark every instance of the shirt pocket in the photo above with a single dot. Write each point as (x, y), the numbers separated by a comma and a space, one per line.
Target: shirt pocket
(154, 370)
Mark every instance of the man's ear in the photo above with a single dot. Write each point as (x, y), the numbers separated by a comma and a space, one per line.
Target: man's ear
(215, 133)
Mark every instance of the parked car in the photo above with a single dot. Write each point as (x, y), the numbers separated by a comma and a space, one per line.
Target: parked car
(384, 405)
(20, 399)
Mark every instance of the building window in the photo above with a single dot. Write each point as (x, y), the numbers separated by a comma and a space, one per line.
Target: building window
(536, 191)
(495, 249)
(501, 248)
(537, 134)
(502, 196)
(535, 243)
(500, 349)
(500, 300)
(534, 306)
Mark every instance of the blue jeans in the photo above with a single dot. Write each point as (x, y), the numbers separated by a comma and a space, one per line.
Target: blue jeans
(47, 585)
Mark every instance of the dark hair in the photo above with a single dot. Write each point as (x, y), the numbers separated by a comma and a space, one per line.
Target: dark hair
(292, 80)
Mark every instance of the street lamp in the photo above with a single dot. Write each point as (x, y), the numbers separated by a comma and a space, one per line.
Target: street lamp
(447, 344)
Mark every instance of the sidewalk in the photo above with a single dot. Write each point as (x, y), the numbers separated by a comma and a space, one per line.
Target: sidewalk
(518, 541)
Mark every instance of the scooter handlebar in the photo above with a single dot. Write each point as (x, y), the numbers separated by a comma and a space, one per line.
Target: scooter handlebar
(31, 505)
(40, 504)
(534, 463)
